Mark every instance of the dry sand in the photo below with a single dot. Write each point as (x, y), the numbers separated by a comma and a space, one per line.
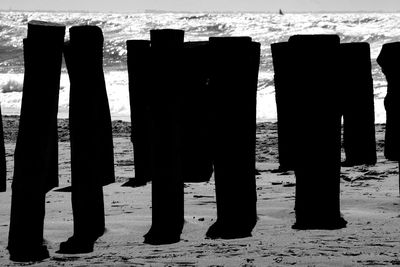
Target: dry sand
(369, 201)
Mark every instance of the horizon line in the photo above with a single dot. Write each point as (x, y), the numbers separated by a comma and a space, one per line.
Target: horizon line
(193, 12)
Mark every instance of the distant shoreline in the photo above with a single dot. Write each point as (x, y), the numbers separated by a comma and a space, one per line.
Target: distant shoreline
(287, 12)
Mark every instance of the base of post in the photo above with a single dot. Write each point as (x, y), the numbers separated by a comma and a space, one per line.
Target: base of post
(330, 224)
(24, 254)
(232, 231)
(76, 245)
(161, 237)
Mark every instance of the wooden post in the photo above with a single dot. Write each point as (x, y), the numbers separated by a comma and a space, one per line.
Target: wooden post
(234, 63)
(389, 60)
(92, 158)
(195, 115)
(139, 95)
(284, 86)
(358, 104)
(36, 151)
(167, 181)
(317, 123)
(3, 163)
(194, 118)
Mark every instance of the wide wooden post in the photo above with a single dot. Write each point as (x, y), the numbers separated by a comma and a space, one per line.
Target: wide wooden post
(92, 158)
(36, 151)
(167, 180)
(139, 75)
(318, 135)
(234, 64)
(357, 104)
(284, 86)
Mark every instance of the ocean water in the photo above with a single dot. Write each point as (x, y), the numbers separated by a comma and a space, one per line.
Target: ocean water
(374, 28)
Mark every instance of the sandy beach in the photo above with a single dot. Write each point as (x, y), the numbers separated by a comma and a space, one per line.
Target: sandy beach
(369, 202)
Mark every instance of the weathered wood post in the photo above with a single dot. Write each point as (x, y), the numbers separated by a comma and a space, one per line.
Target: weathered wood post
(357, 104)
(167, 180)
(139, 75)
(36, 151)
(389, 60)
(195, 115)
(92, 158)
(194, 118)
(234, 63)
(284, 86)
(3, 163)
(318, 131)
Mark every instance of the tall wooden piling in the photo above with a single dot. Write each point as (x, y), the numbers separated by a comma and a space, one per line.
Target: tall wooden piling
(357, 104)
(139, 75)
(234, 64)
(389, 60)
(284, 86)
(318, 135)
(167, 180)
(195, 115)
(36, 151)
(193, 120)
(92, 158)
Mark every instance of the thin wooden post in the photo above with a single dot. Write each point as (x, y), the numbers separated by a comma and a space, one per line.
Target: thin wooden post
(3, 163)
(284, 86)
(140, 97)
(167, 180)
(357, 104)
(389, 60)
(234, 63)
(317, 123)
(92, 158)
(195, 115)
(36, 152)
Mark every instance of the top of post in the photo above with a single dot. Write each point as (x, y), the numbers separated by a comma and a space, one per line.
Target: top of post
(86, 34)
(230, 41)
(167, 38)
(140, 44)
(45, 31)
(389, 56)
(315, 39)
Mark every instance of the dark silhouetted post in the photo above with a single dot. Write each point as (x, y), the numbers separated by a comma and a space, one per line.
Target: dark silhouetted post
(194, 118)
(195, 115)
(284, 86)
(92, 159)
(357, 104)
(318, 135)
(234, 63)
(36, 152)
(139, 96)
(389, 60)
(3, 164)
(167, 181)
